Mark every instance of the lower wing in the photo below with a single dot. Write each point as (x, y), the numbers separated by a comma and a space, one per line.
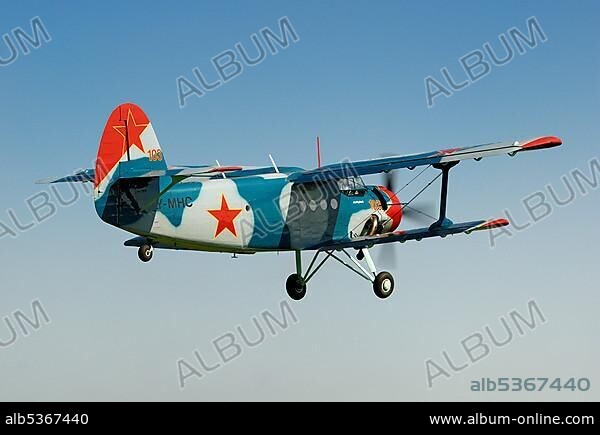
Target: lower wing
(416, 234)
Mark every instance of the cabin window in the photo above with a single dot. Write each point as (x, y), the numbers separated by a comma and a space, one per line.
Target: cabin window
(352, 186)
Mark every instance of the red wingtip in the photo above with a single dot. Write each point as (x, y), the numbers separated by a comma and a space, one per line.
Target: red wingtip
(542, 143)
(497, 223)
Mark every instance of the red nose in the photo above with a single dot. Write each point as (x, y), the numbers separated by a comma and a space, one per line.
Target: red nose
(394, 209)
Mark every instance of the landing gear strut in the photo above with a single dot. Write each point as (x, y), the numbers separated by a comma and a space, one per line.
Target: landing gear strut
(383, 282)
(296, 284)
(145, 253)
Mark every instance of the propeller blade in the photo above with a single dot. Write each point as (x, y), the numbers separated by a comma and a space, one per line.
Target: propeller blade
(387, 255)
(421, 212)
(389, 181)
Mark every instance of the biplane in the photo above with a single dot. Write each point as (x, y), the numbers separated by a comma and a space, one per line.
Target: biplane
(328, 211)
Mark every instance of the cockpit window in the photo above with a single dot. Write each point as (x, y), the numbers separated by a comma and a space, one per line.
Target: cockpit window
(352, 186)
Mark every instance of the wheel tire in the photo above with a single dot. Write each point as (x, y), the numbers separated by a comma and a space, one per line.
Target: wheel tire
(295, 286)
(145, 253)
(383, 285)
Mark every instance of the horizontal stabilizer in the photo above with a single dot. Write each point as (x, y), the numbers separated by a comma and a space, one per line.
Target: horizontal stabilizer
(86, 176)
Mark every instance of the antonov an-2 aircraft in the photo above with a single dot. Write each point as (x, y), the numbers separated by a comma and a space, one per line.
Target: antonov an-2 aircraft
(245, 210)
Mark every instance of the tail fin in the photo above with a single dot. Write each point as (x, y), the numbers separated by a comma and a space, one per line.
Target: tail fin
(128, 148)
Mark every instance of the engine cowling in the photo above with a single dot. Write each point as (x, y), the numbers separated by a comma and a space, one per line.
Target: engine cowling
(391, 213)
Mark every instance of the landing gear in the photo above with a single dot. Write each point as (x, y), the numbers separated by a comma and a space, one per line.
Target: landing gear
(145, 253)
(383, 282)
(296, 287)
(383, 285)
(296, 283)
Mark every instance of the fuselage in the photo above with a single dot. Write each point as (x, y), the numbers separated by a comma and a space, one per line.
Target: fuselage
(262, 212)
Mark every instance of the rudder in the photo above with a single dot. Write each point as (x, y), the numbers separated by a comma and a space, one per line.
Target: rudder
(128, 148)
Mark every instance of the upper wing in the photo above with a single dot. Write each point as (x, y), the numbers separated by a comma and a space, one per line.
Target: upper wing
(365, 167)
(341, 170)
(416, 234)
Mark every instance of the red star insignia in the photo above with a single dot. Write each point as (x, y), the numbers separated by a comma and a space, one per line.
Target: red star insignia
(225, 217)
(131, 132)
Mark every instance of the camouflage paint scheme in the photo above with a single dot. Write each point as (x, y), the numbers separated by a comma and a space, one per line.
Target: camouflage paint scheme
(225, 209)
(251, 209)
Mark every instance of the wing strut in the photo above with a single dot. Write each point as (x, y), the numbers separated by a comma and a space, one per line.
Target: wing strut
(443, 220)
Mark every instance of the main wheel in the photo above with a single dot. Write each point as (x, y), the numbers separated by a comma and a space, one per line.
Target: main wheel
(383, 285)
(296, 287)
(145, 253)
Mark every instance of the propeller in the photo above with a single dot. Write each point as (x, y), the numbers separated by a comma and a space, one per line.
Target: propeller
(417, 214)
(420, 213)
(389, 181)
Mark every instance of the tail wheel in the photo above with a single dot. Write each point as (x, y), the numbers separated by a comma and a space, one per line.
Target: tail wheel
(296, 287)
(145, 253)
(383, 285)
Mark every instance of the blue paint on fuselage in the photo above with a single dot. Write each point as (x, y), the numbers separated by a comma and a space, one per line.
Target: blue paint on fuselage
(329, 222)
(175, 201)
(264, 195)
(350, 205)
(129, 169)
(138, 167)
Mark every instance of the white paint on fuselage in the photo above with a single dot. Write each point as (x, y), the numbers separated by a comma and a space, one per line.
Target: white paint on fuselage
(358, 221)
(200, 226)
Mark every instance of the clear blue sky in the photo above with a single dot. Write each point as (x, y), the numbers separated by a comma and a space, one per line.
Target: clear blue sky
(356, 77)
